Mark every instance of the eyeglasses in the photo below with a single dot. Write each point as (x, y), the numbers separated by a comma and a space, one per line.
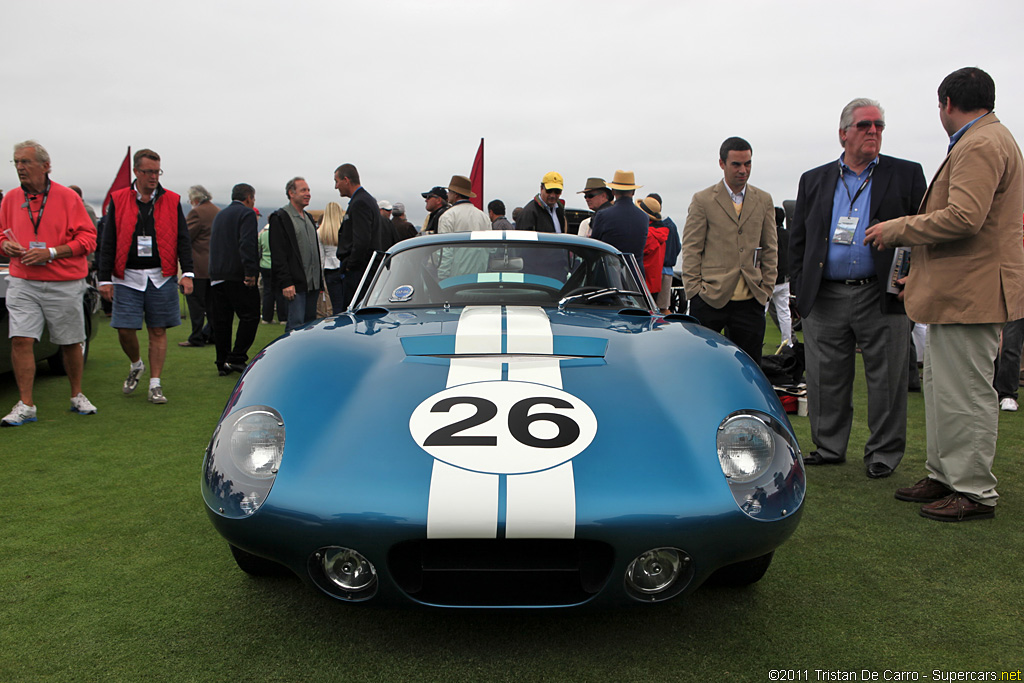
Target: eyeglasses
(591, 195)
(156, 172)
(553, 190)
(866, 125)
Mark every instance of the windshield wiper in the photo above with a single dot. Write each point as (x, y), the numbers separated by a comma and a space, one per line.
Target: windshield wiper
(596, 294)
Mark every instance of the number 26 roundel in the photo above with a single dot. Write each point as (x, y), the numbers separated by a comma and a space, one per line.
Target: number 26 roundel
(503, 427)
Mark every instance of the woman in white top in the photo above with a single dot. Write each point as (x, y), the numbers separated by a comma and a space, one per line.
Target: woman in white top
(327, 234)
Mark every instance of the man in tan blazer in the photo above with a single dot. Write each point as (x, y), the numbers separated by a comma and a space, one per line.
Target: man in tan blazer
(966, 280)
(730, 256)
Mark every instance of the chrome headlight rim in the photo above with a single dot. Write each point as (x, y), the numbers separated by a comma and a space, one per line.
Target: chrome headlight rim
(357, 584)
(232, 486)
(644, 585)
(763, 461)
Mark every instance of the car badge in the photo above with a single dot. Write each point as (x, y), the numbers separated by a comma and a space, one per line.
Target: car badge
(403, 293)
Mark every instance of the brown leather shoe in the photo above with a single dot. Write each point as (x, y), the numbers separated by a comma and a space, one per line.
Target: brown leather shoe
(956, 507)
(925, 491)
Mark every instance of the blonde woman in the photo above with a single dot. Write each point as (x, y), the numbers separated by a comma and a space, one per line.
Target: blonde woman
(328, 237)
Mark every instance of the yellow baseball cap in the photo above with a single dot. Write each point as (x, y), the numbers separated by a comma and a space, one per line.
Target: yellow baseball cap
(553, 181)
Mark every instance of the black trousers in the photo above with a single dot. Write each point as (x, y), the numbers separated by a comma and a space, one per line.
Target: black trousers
(272, 295)
(197, 302)
(742, 322)
(227, 300)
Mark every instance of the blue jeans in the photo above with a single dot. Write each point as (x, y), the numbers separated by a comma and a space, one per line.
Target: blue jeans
(335, 282)
(301, 310)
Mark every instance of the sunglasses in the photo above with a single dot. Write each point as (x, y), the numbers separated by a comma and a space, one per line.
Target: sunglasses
(866, 125)
(553, 190)
(591, 195)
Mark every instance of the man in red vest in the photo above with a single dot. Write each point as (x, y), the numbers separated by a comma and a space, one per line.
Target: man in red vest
(144, 238)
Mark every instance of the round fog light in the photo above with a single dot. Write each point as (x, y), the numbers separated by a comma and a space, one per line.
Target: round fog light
(347, 569)
(655, 570)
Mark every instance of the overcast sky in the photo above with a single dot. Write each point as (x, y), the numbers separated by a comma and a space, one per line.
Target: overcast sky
(261, 91)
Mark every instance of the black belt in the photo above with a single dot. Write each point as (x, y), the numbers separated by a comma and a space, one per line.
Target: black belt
(857, 283)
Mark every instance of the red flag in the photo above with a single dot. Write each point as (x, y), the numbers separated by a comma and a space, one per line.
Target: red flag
(122, 180)
(476, 178)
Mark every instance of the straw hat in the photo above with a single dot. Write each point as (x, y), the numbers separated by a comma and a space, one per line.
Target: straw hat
(624, 180)
(650, 206)
(460, 184)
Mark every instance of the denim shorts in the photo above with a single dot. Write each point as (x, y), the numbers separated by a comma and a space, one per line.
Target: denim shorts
(161, 306)
(30, 303)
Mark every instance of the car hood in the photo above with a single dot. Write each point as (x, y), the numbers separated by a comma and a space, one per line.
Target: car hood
(375, 402)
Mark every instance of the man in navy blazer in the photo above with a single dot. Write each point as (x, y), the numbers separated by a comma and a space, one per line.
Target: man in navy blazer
(234, 267)
(361, 230)
(842, 294)
(623, 225)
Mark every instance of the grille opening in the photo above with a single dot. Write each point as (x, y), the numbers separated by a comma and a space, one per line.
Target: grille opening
(481, 572)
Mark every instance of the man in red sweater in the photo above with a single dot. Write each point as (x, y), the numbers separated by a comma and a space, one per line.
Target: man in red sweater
(48, 234)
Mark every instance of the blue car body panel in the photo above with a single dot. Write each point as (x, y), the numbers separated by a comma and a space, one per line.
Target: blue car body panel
(353, 474)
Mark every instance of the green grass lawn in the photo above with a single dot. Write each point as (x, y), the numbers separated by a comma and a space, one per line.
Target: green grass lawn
(110, 570)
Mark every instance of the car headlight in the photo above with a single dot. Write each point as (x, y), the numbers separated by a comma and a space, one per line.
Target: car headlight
(746, 447)
(760, 459)
(242, 460)
(658, 574)
(344, 573)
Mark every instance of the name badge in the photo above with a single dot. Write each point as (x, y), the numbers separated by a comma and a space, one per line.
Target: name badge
(845, 228)
(144, 245)
(37, 245)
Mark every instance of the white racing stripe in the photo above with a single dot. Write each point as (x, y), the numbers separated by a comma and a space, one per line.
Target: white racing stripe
(463, 503)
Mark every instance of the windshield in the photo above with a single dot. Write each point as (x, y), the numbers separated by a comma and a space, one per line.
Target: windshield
(502, 273)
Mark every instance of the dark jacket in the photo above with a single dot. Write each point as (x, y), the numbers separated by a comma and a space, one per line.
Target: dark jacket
(897, 187)
(624, 226)
(673, 246)
(361, 233)
(403, 228)
(535, 216)
(285, 262)
(234, 250)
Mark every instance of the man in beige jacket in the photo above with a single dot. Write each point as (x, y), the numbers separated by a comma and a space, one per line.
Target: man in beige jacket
(730, 257)
(966, 280)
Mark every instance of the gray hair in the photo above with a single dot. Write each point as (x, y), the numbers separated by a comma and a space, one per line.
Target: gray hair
(42, 156)
(198, 194)
(290, 186)
(846, 118)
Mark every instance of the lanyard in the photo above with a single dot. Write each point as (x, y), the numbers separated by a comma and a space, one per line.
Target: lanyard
(36, 220)
(862, 187)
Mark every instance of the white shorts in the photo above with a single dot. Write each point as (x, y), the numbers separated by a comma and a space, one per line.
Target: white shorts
(58, 305)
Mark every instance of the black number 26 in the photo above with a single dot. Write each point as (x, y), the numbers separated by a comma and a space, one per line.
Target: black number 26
(519, 421)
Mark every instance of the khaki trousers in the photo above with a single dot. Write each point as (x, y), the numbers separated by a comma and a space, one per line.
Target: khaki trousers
(961, 408)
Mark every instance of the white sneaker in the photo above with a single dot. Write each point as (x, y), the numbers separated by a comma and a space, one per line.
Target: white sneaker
(81, 405)
(19, 415)
(156, 395)
(1008, 405)
(133, 378)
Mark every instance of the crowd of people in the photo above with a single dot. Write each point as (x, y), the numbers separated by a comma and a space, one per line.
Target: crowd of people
(857, 220)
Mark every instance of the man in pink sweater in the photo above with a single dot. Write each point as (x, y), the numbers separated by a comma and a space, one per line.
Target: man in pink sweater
(48, 234)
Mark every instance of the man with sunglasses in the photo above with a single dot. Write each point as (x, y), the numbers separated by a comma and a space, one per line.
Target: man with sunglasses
(546, 213)
(598, 196)
(966, 280)
(842, 291)
(144, 237)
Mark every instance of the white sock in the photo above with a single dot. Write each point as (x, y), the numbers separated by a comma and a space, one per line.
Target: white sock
(154, 382)
(137, 365)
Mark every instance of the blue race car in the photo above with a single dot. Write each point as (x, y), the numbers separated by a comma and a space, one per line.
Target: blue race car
(501, 421)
